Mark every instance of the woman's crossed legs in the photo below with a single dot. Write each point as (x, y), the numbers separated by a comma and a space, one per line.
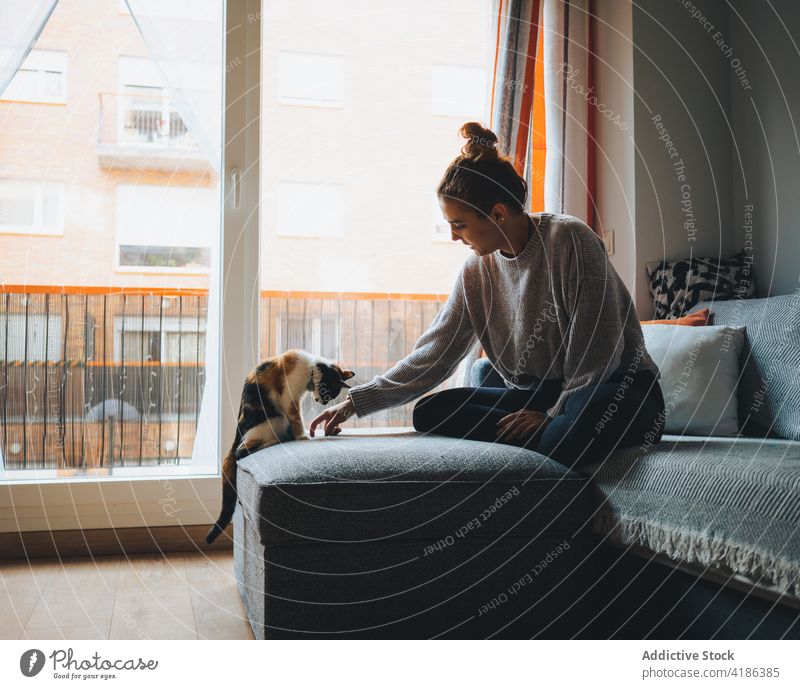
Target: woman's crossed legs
(594, 422)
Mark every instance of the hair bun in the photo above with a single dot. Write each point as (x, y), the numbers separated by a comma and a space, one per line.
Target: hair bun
(481, 142)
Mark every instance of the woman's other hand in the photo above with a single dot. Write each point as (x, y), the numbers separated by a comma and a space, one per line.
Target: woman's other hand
(521, 426)
(339, 413)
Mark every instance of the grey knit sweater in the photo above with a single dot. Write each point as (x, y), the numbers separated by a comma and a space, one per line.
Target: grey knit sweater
(556, 310)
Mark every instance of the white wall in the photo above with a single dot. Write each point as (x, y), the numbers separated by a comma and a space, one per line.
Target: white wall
(766, 149)
(681, 76)
(614, 130)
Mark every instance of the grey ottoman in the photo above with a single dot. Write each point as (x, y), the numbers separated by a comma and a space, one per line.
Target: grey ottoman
(403, 535)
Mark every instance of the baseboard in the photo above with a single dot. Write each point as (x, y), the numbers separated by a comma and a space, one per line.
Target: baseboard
(128, 541)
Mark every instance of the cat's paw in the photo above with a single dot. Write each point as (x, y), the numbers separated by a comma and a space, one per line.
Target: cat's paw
(305, 436)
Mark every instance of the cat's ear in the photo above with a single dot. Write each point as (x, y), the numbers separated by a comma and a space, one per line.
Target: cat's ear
(347, 375)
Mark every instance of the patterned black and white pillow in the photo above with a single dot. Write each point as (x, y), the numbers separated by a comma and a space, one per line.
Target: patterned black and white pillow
(677, 286)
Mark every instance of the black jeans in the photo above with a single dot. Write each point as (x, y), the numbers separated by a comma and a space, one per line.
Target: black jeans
(596, 421)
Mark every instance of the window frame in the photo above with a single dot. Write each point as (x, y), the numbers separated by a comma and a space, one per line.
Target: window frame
(42, 501)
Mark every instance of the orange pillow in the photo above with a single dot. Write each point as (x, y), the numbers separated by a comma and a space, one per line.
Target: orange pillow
(701, 317)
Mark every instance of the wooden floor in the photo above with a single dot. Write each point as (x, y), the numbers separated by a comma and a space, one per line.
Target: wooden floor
(170, 596)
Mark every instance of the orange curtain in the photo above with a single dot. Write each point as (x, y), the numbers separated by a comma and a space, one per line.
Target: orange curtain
(539, 138)
(517, 101)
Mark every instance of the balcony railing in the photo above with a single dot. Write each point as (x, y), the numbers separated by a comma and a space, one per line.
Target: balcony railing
(98, 378)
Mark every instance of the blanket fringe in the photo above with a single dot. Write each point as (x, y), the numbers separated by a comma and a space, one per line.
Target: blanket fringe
(701, 549)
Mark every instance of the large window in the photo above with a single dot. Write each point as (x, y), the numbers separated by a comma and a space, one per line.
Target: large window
(348, 268)
(110, 211)
(355, 256)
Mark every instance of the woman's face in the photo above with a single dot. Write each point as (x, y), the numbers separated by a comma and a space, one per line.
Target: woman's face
(471, 227)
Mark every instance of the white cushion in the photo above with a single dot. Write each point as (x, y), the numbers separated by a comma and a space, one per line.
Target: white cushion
(699, 371)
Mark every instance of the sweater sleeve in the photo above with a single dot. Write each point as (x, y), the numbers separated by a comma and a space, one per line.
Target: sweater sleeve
(598, 305)
(433, 359)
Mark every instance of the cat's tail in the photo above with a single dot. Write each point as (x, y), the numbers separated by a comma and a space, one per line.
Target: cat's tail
(228, 496)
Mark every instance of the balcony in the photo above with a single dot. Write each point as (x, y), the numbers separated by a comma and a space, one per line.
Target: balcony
(142, 131)
(94, 380)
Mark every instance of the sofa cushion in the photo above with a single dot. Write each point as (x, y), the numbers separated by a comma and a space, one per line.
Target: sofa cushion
(699, 370)
(730, 504)
(355, 489)
(769, 385)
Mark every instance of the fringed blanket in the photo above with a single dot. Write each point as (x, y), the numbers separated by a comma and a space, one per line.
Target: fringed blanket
(732, 504)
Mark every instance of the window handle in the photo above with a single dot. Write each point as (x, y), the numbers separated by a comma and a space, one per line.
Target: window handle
(236, 187)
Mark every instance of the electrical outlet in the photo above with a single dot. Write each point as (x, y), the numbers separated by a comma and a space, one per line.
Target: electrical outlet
(608, 239)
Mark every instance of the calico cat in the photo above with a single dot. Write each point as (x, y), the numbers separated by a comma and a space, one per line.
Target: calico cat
(269, 412)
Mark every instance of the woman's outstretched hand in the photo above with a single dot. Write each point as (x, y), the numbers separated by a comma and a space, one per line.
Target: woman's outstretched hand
(338, 413)
(521, 426)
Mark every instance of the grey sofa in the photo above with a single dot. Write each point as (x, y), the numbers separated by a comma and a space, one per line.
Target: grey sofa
(404, 535)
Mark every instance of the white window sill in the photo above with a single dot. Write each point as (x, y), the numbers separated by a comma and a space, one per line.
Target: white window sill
(104, 504)
(116, 473)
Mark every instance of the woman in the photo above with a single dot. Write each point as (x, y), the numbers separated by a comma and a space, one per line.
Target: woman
(554, 318)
